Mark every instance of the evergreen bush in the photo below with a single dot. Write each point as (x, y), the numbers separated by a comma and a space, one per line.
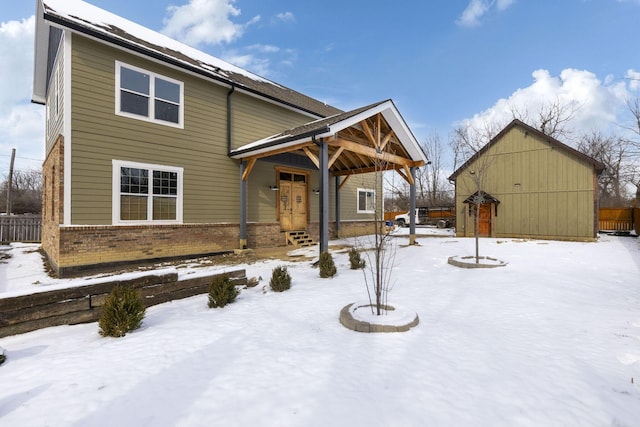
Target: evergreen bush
(280, 279)
(122, 312)
(327, 266)
(222, 291)
(357, 263)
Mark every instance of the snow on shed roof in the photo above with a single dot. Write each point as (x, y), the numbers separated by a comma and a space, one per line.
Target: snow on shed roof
(85, 18)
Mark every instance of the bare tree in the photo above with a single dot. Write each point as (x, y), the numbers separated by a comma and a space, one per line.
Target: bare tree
(466, 142)
(434, 189)
(379, 251)
(552, 119)
(26, 191)
(621, 168)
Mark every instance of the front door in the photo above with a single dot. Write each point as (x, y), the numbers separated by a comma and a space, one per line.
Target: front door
(484, 220)
(293, 201)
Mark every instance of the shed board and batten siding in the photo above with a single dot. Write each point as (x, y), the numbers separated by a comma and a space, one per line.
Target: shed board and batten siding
(211, 187)
(555, 195)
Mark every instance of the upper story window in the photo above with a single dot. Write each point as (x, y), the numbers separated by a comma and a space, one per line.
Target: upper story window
(366, 200)
(144, 95)
(146, 193)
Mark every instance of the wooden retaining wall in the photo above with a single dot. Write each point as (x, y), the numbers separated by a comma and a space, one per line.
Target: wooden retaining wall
(83, 304)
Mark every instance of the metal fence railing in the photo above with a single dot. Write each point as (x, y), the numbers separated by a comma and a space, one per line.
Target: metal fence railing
(20, 228)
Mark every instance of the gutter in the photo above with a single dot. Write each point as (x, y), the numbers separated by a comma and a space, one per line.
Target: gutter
(283, 140)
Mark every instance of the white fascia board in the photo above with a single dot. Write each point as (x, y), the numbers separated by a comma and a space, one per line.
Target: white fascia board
(394, 119)
(40, 53)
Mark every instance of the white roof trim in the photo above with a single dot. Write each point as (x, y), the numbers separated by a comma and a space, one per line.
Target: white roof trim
(388, 110)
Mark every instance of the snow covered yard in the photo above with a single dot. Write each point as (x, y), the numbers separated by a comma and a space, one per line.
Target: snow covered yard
(552, 339)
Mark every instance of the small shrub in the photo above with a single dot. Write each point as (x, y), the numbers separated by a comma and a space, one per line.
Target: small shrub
(222, 291)
(356, 260)
(2, 356)
(280, 279)
(327, 266)
(122, 312)
(253, 281)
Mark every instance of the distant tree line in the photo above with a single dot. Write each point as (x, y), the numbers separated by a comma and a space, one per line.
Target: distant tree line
(26, 192)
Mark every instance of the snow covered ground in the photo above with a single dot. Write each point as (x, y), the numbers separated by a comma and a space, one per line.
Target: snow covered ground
(552, 339)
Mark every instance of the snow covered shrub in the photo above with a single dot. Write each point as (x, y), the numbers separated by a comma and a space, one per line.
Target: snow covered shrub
(2, 356)
(327, 266)
(222, 291)
(356, 260)
(253, 281)
(280, 279)
(122, 312)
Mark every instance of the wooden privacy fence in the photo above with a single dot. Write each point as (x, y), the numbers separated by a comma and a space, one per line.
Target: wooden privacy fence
(619, 219)
(83, 304)
(20, 228)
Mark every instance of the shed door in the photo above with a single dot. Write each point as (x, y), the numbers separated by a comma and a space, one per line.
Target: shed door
(484, 221)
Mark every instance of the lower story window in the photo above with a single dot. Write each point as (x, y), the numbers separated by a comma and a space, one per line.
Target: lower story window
(366, 200)
(146, 193)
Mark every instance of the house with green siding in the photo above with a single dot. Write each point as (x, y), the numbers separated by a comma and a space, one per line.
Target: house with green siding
(157, 150)
(526, 184)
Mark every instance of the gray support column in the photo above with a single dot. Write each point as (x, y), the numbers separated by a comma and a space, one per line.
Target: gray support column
(243, 208)
(324, 196)
(412, 208)
(337, 206)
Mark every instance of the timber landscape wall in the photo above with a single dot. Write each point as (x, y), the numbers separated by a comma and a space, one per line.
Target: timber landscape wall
(83, 304)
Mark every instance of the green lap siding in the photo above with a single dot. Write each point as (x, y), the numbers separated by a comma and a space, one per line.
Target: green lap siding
(211, 179)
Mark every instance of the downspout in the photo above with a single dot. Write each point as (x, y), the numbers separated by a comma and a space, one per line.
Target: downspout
(229, 117)
(242, 243)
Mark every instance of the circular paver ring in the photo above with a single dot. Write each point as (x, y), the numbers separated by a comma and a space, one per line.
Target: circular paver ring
(470, 262)
(347, 320)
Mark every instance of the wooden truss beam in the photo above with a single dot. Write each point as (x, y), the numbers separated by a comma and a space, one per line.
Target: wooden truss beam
(372, 153)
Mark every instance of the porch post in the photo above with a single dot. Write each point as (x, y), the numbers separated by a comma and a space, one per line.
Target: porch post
(243, 208)
(337, 214)
(324, 196)
(412, 207)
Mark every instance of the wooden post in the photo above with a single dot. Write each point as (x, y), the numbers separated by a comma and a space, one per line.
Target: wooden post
(10, 181)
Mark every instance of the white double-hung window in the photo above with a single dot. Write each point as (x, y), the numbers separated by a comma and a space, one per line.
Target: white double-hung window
(144, 193)
(144, 95)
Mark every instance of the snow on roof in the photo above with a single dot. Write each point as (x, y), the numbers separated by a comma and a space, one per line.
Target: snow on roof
(85, 18)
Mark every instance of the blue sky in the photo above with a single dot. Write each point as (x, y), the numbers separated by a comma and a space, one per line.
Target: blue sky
(442, 62)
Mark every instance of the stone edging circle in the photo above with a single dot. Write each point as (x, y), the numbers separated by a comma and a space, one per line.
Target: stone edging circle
(459, 262)
(349, 322)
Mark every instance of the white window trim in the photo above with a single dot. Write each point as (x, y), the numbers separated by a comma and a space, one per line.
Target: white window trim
(367, 190)
(151, 118)
(115, 189)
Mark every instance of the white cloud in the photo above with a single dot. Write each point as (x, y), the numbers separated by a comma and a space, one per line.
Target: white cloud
(286, 17)
(476, 9)
(504, 4)
(21, 123)
(597, 104)
(205, 22)
(634, 78)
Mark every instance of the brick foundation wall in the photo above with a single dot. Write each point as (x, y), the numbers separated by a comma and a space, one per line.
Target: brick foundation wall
(52, 199)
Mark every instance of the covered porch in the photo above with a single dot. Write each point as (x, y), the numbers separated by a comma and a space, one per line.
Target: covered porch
(370, 139)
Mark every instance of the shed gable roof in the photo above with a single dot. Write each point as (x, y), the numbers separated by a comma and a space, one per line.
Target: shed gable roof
(598, 166)
(84, 18)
